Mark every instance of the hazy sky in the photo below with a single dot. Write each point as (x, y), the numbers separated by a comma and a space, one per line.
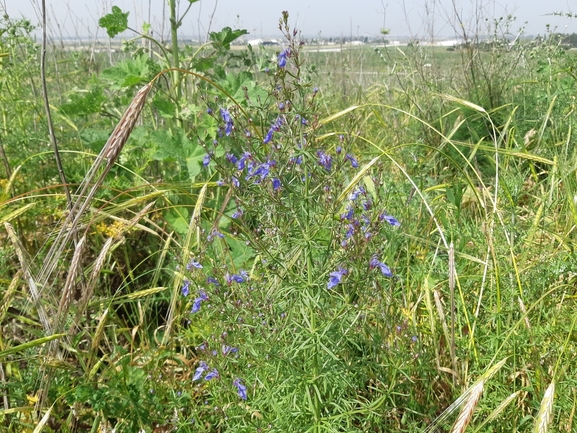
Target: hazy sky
(329, 17)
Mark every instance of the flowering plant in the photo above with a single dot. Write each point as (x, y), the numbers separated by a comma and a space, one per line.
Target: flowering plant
(314, 229)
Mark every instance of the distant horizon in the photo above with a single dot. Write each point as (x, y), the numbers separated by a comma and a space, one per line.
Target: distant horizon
(417, 19)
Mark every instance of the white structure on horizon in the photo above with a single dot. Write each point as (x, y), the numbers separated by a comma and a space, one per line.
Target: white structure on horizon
(257, 42)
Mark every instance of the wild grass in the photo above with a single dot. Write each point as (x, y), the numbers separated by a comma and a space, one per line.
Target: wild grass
(234, 246)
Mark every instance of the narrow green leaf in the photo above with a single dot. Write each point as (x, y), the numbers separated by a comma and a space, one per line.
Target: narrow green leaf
(29, 344)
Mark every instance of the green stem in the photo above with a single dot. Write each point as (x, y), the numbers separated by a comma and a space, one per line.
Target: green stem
(175, 54)
(312, 312)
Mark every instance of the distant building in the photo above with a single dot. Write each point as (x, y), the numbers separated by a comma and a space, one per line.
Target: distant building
(264, 43)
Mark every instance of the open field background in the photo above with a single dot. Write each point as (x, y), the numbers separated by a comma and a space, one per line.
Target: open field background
(372, 240)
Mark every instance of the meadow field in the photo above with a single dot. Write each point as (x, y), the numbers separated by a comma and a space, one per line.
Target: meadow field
(281, 239)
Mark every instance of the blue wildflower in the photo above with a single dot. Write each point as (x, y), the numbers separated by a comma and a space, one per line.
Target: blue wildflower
(213, 233)
(281, 106)
(276, 184)
(193, 263)
(240, 164)
(212, 374)
(352, 159)
(350, 231)
(325, 160)
(202, 296)
(228, 349)
(375, 263)
(268, 136)
(315, 89)
(237, 214)
(367, 204)
(209, 110)
(261, 171)
(200, 370)
(225, 115)
(338, 149)
(196, 305)
(274, 127)
(229, 124)
(241, 277)
(348, 215)
(390, 219)
(336, 277)
(355, 194)
(282, 58)
(241, 389)
(231, 158)
(206, 160)
(235, 182)
(185, 288)
(213, 280)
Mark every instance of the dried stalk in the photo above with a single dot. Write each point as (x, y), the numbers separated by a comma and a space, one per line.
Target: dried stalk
(467, 411)
(545, 410)
(89, 187)
(452, 293)
(48, 113)
(26, 265)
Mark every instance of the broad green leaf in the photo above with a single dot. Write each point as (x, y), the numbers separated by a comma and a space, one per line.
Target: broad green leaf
(82, 103)
(94, 138)
(114, 23)
(171, 145)
(178, 218)
(240, 251)
(194, 162)
(129, 72)
(221, 40)
(165, 107)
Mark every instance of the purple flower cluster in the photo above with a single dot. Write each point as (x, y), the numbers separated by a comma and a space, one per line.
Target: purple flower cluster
(282, 58)
(390, 219)
(336, 277)
(193, 264)
(202, 368)
(202, 296)
(352, 160)
(206, 160)
(185, 288)
(325, 160)
(256, 171)
(228, 349)
(214, 233)
(241, 277)
(228, 123)
(275, 127)
(375, 263)
(241, 389)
